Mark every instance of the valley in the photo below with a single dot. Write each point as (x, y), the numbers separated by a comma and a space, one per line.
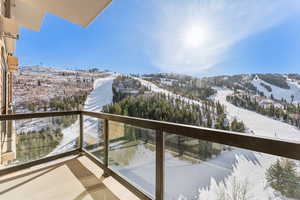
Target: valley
(222, 170)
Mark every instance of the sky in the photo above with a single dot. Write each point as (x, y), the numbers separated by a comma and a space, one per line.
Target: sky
(196, 37)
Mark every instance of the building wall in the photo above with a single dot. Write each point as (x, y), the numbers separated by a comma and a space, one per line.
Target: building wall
(7, 131)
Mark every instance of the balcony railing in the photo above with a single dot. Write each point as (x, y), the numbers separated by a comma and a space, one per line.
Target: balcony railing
(105, 137)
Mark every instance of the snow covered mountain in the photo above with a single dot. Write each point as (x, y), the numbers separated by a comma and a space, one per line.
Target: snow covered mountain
(277, 86)
(291, 93)
(218, 175)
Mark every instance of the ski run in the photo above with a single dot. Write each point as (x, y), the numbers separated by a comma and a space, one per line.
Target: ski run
(204, 180)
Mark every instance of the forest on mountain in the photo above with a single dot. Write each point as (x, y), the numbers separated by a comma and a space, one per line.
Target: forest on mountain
(167, 108)
(183, 85)
(34, 145)
(238, 81)
(284, 111)
(275, 79)
(60, 103)
(163, 107)
(125, 86)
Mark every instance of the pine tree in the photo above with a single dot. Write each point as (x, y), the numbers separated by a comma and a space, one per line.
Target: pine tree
(118, 109)
(282, 177)
(274, 176)
(290, 176)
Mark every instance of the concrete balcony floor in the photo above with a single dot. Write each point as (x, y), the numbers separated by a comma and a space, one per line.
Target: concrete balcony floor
(70, 178)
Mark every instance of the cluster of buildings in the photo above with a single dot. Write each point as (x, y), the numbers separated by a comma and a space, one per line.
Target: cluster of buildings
(126, 85)
(261, 100)
(266, 102)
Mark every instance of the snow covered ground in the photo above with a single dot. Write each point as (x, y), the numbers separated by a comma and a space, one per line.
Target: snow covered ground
(259, 124)
(157, 89)
(34, 124)
(200, 180)
(278, 92)
(100, 96)
(245, 182)
(247, 173)
(183, 177)
(220, 175)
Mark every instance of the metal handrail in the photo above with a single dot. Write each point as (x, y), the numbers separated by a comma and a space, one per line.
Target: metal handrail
(21, 116)
(273, 146)
(285, 148)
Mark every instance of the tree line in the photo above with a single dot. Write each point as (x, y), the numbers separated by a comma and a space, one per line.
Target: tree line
(34, 145)
(288, 112)
(163, 107)
(168, 108)
(60, 103)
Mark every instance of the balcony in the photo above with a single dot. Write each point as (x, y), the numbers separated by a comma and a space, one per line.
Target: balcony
(103, 156)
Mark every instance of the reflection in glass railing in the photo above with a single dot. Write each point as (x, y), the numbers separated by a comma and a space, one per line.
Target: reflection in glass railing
(32, 139)
(93, 137)
(132, 154)
(197, 169)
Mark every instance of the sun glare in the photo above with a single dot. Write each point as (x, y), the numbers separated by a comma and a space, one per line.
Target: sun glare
(194, 36)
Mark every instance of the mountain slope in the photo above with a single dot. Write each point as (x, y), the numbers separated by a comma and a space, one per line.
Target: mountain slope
(278, 92)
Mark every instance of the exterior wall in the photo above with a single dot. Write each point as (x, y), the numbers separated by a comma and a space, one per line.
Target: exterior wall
(7, 131)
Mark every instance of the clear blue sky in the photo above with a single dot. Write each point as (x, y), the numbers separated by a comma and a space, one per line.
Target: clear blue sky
(199, 37)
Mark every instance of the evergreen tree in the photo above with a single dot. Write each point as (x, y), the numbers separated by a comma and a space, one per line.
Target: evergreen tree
(282, 177)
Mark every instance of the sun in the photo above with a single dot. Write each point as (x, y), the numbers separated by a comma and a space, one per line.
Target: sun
(194, 36)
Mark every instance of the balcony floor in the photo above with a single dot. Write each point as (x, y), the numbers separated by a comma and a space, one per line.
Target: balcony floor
(71, 178)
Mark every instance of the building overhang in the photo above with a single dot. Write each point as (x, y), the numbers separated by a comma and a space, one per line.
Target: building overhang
(30, 13)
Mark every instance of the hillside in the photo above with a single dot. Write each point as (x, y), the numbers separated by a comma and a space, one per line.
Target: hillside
(279, 86)
(135, 99)
(53, 89)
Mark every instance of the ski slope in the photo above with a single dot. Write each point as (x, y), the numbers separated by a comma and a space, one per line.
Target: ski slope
(186, 179)
(189, 180)
(100, 96)
(250, 174)
(205, 180)
(259, 124)
(278, 92)
(155, 88)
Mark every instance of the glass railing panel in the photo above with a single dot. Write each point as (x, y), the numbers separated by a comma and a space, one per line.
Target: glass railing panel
(132, 154)
(197, 169)
(93, 137)
(27, 140)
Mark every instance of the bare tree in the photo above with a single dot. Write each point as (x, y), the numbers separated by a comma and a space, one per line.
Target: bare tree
(238, 190)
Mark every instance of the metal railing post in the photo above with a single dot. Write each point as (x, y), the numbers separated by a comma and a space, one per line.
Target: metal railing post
(106, 142)
(80, 131)
(160, 165)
